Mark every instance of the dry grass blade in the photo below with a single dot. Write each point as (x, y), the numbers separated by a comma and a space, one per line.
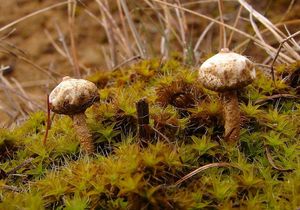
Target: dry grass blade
(260, 101)
(71, 19)
(296, 45)
(121, 37)
(22, 91)
(10, 188)
(278, 52)
(107, 24)
(126, 61)
(166, 36)
(290, 22)
(263, 45)
(136, 35)
(7, 89)
(235, 24)
(272, 162)
(23, 164)
(7, 35)
(182, 29)
(272, 28)
(203, 34)
(33, 14)
(20, 95)
(222, 27)
(288, 10)
(125, 31)
(200, 169)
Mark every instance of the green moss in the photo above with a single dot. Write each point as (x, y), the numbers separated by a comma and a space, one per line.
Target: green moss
(188, 133)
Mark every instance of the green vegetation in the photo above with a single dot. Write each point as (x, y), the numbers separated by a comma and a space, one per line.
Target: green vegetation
(264, 170)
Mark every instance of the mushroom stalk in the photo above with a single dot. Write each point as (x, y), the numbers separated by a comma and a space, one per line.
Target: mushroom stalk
(72, 97)
(81, 128)
(227, 72)
(231, 115)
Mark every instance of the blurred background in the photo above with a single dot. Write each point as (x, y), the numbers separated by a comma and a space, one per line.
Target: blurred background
(42, 41)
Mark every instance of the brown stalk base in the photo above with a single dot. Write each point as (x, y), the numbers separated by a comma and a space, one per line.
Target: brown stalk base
(80, 126)
(231, 116)
(142, 108)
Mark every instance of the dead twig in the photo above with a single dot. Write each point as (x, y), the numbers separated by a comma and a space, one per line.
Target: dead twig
(11, 188)
(269, 157)
(132, 27)
(71, 18)
(235, 24)
(23, 164)
(222, 27)
(268, 98)
(33, 14)
(278, 51)
(202, 168)
(137, 57)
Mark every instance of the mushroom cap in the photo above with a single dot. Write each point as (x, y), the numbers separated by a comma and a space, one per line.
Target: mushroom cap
(226, 71)
(73, 96)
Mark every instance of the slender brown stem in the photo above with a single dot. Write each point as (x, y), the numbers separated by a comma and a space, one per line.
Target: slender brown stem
(231, 116)
(142, 108)
(83, 133)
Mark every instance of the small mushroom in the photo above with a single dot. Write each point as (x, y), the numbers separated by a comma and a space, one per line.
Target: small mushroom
(72, 97)
(227, 72)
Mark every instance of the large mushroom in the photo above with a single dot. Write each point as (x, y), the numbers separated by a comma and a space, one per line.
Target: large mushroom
(227, 72)
(72, 97)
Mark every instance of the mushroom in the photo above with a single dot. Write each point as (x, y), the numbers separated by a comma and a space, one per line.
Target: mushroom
(72, 97)
(227, 72)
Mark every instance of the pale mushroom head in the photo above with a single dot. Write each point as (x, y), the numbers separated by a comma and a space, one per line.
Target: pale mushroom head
(226, 71)
(73, 96)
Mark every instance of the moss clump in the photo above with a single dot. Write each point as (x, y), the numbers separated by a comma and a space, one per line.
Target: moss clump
(187, 133)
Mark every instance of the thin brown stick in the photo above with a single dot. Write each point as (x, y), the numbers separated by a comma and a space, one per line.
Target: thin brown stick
(215, 21)
(108, 26)
(269, 157)
(162, 135)
(278, 51)
(235, 24)
(23, 164)
(26, 60)
(267, 98)
(32, 14)
(71, 18)
(127, 61)
(8, 34)
(222, 27)
(11, 188)
(132, 27)
(20, 95)
(202, 168)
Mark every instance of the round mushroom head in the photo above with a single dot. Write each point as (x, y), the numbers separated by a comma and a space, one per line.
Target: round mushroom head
(226, 71)
(73, 96)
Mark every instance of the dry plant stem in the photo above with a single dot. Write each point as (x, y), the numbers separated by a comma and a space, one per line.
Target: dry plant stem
(80, 126)
(231, 116)
(142, 108)
(222, 27)
(33, 14)
(71, 19)
(271, 161)
(202, 168)
(133, 29)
